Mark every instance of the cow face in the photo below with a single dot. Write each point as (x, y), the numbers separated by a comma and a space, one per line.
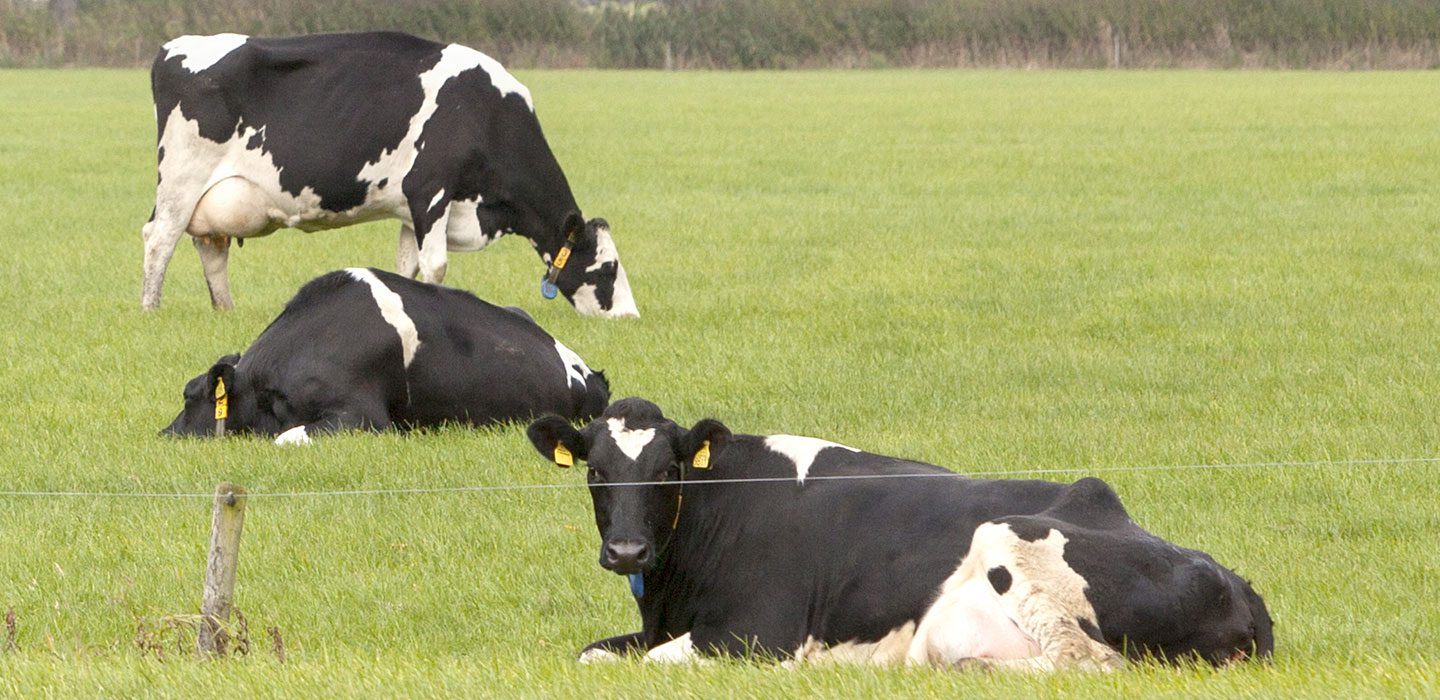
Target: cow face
(636, 459)
(593, 279)
(245, 412)
(198, 416)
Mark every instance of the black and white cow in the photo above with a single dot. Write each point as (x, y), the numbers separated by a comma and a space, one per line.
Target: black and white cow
(365, 349)
(323, 131)
(837, 554)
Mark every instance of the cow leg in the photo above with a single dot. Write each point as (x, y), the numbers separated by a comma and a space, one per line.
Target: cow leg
(612, 648)
(214, 254)
(334, 422)
(680, 650)
(407, 256)
(430, 225)
(160, 236)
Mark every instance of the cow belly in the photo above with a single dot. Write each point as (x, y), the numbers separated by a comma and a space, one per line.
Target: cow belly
(970, 623)
(234, 207)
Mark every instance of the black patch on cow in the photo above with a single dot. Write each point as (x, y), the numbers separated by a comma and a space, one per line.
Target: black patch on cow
(1000, 579)
(382, 183)
(1090, 629)
(255, 141)
(1027, 529)
(328, 103)
(459, 337)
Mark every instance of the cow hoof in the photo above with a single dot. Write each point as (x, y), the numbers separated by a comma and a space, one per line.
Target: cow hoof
(598, 656)
(293, 436)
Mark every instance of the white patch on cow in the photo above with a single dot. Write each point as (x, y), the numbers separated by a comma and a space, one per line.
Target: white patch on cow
(604, 250)
(622, 301)
(436, 199)
(598, 656)
(969, 622)
(1032, 626)
(201, 52)
(392, 309)
(801, 450)
(294, 436)
(499, 77)
(679, 650)
(462, 231)
(575, 369)
(631, 442)
(886, 651)
(586, 302)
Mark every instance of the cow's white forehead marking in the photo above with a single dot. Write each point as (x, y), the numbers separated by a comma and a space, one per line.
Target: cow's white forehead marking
(604, 250)
(464, 57)
(392, 309)
(201, 52)
(801, 450)
(575, 369)
(631, 442)
(293, 436)
(622, 302)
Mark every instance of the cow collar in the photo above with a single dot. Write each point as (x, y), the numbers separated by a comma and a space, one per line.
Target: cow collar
(701, 460)
(552, 273)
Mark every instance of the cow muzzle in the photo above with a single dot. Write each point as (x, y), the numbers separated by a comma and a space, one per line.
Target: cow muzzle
(625, 556)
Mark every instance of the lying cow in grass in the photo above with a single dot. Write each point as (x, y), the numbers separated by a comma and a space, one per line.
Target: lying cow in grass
(365, 349)
(825, 561)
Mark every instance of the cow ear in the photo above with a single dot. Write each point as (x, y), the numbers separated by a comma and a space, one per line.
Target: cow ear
(574, 225)
(223, 370)
(557, 440)
(703, 442)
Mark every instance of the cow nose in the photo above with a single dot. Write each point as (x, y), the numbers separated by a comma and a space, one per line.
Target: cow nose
(626, 556)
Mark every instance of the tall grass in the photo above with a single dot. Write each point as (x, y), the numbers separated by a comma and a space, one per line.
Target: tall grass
(775, 33)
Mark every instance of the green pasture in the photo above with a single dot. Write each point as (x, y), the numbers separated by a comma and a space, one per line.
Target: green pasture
(993, 271)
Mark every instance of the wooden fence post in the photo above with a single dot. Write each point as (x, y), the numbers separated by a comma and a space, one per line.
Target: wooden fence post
(225, 521)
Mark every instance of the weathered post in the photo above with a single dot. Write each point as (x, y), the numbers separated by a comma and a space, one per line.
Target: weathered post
(219, 598)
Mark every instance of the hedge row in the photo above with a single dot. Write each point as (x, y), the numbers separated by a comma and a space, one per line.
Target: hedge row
(773, 33)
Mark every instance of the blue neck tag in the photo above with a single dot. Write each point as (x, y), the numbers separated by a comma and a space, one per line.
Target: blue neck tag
(637, 585)
(547, 289)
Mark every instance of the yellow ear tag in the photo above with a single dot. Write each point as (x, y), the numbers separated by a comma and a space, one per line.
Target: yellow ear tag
(562, 257)
(563, 457)
(222, 402)
(702, 456)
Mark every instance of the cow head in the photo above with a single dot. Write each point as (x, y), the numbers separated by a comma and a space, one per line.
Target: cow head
(588, 272)
(242, 404)
(636, 459)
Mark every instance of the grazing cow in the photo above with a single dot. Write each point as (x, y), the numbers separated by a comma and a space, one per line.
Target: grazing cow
(365, 349)
(837, 554)
(318, 132)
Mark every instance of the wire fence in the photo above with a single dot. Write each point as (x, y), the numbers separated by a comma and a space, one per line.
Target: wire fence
(1378, 461)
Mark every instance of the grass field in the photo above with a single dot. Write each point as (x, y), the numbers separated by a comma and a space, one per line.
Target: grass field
(988, 270)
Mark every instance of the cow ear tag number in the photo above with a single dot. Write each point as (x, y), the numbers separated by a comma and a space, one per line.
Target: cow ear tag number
(222, 406)
(222, 401)
(563, 457)
(702, 456)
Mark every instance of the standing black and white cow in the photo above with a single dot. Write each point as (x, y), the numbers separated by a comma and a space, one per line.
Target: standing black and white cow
(323, 131)
(804, 549)
(365, 349)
